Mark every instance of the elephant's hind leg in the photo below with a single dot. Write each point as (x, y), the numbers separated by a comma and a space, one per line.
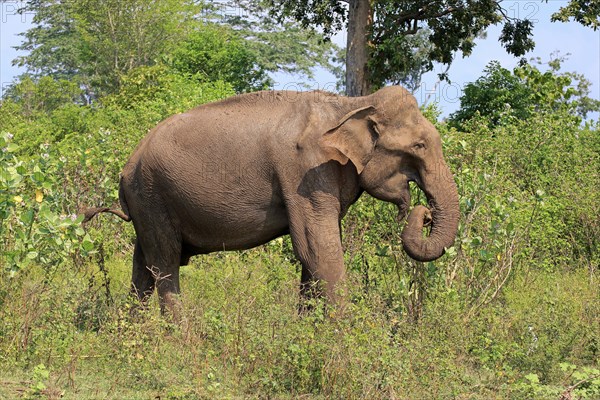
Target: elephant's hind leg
(142, 280)
(161, 244)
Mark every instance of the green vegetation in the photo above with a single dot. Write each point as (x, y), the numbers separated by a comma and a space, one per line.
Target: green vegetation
(510, 312)
(524, 92)
(217, 53)
(396, 41)
(96, 43)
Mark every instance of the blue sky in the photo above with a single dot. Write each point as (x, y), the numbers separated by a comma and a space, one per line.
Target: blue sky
(10, 25)
(582, 43)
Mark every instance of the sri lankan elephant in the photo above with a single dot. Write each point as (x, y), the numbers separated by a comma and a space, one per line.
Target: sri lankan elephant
(237, 173)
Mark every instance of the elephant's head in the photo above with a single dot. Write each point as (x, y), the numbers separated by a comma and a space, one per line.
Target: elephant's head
(391, 144)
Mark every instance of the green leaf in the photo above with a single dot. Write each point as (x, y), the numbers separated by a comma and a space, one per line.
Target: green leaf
(451, 251)
(38, 177)
(565, 366)
(533, 378)
(27, 217)
(11, 148)
(21, 169)
(87, 244)
(382, 251)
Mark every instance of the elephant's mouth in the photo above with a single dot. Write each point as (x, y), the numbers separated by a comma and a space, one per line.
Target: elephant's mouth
(404, 202)
(402, 212)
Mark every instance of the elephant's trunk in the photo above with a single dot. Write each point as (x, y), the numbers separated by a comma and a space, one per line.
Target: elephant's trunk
(443, 214)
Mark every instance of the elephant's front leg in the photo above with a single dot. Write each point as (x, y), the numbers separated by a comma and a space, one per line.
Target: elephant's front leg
(315, 233)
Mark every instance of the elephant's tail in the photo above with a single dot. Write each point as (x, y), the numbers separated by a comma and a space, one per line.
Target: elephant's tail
(90, 213)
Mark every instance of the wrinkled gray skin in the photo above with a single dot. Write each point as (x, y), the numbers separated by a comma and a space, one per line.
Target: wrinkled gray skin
(237, 173)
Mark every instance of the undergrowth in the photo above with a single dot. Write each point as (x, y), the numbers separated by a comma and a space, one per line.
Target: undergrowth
(77, 336)
(510, 312)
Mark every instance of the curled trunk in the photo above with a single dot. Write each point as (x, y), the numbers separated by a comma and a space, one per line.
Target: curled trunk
(443, 215)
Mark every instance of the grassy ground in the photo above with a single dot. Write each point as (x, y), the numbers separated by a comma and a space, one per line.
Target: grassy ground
(71, 335)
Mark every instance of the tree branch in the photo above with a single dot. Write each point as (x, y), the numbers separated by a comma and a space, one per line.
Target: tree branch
(504, 14)
(422, 14)
(566, 395)
(414, 17)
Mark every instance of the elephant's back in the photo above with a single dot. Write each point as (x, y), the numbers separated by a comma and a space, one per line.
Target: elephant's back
(209, 158)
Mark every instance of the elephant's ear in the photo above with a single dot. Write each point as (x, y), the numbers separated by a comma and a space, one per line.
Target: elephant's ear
(353, 138)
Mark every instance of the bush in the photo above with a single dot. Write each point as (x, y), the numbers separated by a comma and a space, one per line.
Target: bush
(217, 53)
(509, 312)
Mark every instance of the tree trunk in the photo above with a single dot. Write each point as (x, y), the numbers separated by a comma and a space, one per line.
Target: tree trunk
(360, 18)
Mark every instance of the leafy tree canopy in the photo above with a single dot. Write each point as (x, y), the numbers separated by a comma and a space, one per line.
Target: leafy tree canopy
(99, 42)
(586, 12)
(214, 53)
(445, 26)
(524, 91)
(279, 46)
(405, 37)
(43, 95)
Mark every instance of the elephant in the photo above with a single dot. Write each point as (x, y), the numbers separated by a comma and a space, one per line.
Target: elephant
(237, 173)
